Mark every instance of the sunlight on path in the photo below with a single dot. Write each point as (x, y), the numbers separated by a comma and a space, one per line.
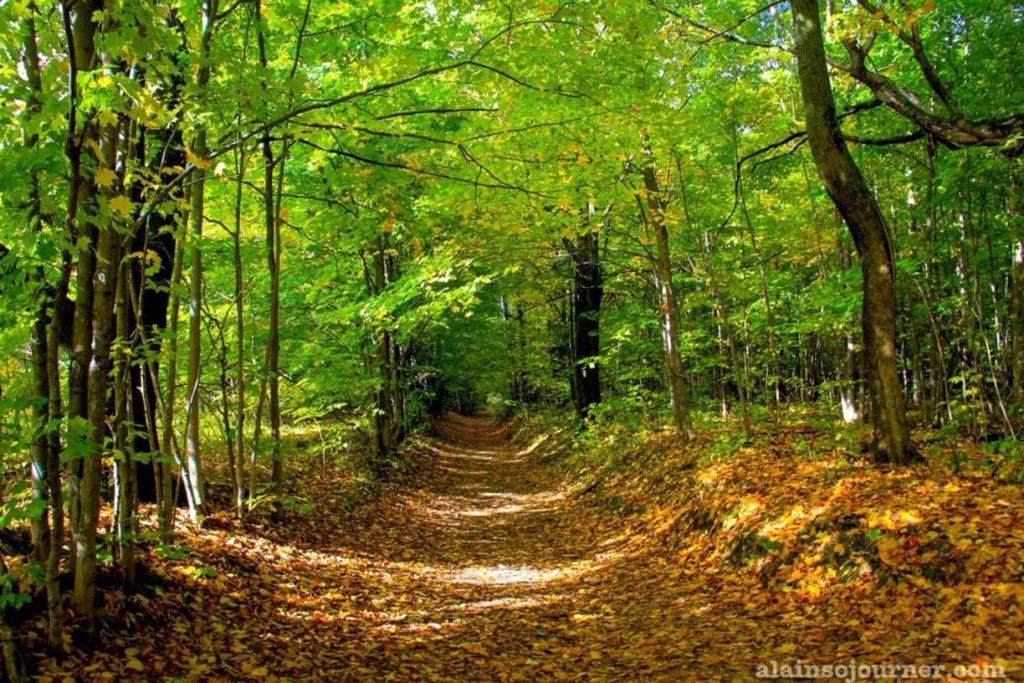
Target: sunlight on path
(489, 562)
(485, 565)
(469, 572)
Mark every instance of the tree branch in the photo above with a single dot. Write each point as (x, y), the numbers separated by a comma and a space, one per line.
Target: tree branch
(421, 171)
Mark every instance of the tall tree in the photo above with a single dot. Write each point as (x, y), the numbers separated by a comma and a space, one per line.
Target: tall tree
(668, 308)
(855, 201)
(584, 317)
(193, 400)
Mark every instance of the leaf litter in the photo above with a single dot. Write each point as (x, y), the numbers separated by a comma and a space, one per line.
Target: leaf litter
(492, 562)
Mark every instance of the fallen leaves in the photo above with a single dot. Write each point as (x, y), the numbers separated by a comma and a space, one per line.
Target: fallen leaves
(490, 563)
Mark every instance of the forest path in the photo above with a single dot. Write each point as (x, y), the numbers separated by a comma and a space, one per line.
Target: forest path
(482, 566)
(485, 562)
(489, 562)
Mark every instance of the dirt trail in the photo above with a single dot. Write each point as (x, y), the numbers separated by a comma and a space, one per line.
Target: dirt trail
(483, 566)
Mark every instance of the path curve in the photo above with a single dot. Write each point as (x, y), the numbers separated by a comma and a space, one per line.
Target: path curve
(484, 566)
(485, 563)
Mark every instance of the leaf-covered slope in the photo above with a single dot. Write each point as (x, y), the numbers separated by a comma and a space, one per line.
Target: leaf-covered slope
(494, 561)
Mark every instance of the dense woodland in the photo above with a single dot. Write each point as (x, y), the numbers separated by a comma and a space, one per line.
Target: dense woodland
(248, 244)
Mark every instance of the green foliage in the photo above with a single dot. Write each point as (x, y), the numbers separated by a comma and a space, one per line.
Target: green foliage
(1007, 459)
(725, 445)
(10, 595)
(19, 505)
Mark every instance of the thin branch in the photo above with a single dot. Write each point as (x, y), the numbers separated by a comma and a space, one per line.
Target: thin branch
(913, 41)
(742, 21)
(725, 34)
(412, 169)
(882, 142)
(441, 110)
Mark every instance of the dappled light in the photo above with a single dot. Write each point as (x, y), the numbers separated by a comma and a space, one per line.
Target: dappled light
(508, 565)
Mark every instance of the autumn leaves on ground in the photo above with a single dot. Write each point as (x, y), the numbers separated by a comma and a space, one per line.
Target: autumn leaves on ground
(499, 557)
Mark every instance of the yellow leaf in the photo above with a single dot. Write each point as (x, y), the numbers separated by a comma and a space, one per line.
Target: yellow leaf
(108, 118)
(135, 665)
(122, 205)
(890, 551)
(104, 178)
(93, 147)
(198, 162)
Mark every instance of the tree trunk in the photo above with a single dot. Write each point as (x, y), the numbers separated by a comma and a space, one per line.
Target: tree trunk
(194, 480)
(168, 444)
(236, 242)
(667, 306)
(124, 460)
(1015, 209)
(853, 198)
(587, 292)
(83, 231)
(272, 226)
(192, 463)
(98, 263)
(151, 297)
(54, 595)
(848, 381)
(44, 301)
(40, 449)
(384, 418)
(107, 260)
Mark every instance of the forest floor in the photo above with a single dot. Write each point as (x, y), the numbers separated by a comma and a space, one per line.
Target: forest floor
(491, 561)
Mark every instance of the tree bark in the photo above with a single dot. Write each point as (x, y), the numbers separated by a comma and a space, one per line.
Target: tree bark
(668, 306)
(151, 298)
(82, 230)
(107, 273)
(98, 264)
(44, 301)
(168, 445)
(192, 400)
(1015, 209)
(125, 471)
(236, 243)
(847, 188)
(587, 292)
(272, 226)
(54, 595)
(197, 501)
